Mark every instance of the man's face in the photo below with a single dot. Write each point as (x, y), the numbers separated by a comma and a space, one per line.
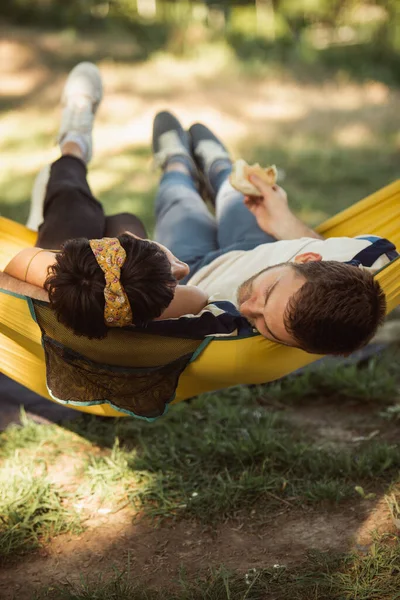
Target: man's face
(263, 300)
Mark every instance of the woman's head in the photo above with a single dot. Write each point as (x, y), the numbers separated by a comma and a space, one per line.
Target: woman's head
(76, 284)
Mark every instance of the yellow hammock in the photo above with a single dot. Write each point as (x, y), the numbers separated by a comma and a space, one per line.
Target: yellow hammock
(224, 362)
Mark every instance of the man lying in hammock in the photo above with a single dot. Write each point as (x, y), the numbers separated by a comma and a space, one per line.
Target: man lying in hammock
(293, 286)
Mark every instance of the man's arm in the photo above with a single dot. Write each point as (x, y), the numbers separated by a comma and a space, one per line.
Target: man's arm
(273, 214)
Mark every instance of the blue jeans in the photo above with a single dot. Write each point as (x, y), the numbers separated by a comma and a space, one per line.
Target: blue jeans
(185, 225)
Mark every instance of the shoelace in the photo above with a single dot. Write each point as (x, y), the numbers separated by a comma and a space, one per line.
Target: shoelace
(79, 116)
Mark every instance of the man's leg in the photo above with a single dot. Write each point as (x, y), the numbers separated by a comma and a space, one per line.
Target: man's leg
(64, 201)
(237, 227)
(183, 222)
(118, 224)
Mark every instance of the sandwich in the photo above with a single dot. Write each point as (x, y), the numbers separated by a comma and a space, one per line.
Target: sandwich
(241, 171)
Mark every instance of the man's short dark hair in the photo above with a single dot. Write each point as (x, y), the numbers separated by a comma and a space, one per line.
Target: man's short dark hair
(337, 310)
(76, 284)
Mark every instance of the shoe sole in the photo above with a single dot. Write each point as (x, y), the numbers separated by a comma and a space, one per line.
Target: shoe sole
(203, 178)
(35, 218)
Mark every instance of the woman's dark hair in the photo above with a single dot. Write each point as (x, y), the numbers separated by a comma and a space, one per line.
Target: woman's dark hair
(75, 284)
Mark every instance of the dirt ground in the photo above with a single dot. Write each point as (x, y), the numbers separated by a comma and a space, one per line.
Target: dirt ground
(156, 555)
(281, 536)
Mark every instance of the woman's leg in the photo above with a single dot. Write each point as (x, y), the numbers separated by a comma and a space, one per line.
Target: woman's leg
(70, 209)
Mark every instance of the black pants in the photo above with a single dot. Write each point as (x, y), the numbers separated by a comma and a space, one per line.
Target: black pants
(71, 211)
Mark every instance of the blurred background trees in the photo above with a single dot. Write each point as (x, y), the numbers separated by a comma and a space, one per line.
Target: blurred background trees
(311, 85)
(362, 34)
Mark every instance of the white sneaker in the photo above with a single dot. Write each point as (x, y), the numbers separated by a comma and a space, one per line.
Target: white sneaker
(81, 97)
(35, 218)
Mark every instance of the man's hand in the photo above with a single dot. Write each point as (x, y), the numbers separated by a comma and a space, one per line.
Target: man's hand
(270, 207)
(273, 214)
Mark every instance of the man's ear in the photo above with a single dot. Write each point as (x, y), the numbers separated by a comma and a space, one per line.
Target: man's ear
(307, 257)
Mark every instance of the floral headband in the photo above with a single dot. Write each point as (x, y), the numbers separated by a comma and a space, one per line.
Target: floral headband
(111, 256)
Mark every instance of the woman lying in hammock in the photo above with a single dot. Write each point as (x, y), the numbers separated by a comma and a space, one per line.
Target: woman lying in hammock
(99, 271)
(137, 282)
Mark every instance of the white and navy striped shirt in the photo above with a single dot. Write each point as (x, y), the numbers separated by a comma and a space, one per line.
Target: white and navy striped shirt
(223, 276)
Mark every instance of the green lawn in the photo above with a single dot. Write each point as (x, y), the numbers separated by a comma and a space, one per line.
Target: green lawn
(335, 141)
(318, 443)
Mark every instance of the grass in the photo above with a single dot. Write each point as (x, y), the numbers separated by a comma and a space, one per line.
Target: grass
(371, 576)
(246, 459)
(38, 442)
(221, 456)
(375, 381)
(361, 61)
(247, 456)
(112, 476)
(335, 148)
(32, 509)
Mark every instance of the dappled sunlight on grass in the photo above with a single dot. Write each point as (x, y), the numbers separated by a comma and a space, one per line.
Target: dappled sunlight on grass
(378, 521)
(15, 56)
(166, 73)
(280, 111)
(20, 74)
(278, 472)
(340, 95)
(353, 135)
(301, 128)
(130, 128)
(110, 170)
(26, 127)
(20, 84)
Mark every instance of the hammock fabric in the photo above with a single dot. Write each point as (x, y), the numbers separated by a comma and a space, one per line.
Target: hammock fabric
(223, 362)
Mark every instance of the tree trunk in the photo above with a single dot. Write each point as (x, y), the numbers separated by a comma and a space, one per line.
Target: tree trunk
(265, 17)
